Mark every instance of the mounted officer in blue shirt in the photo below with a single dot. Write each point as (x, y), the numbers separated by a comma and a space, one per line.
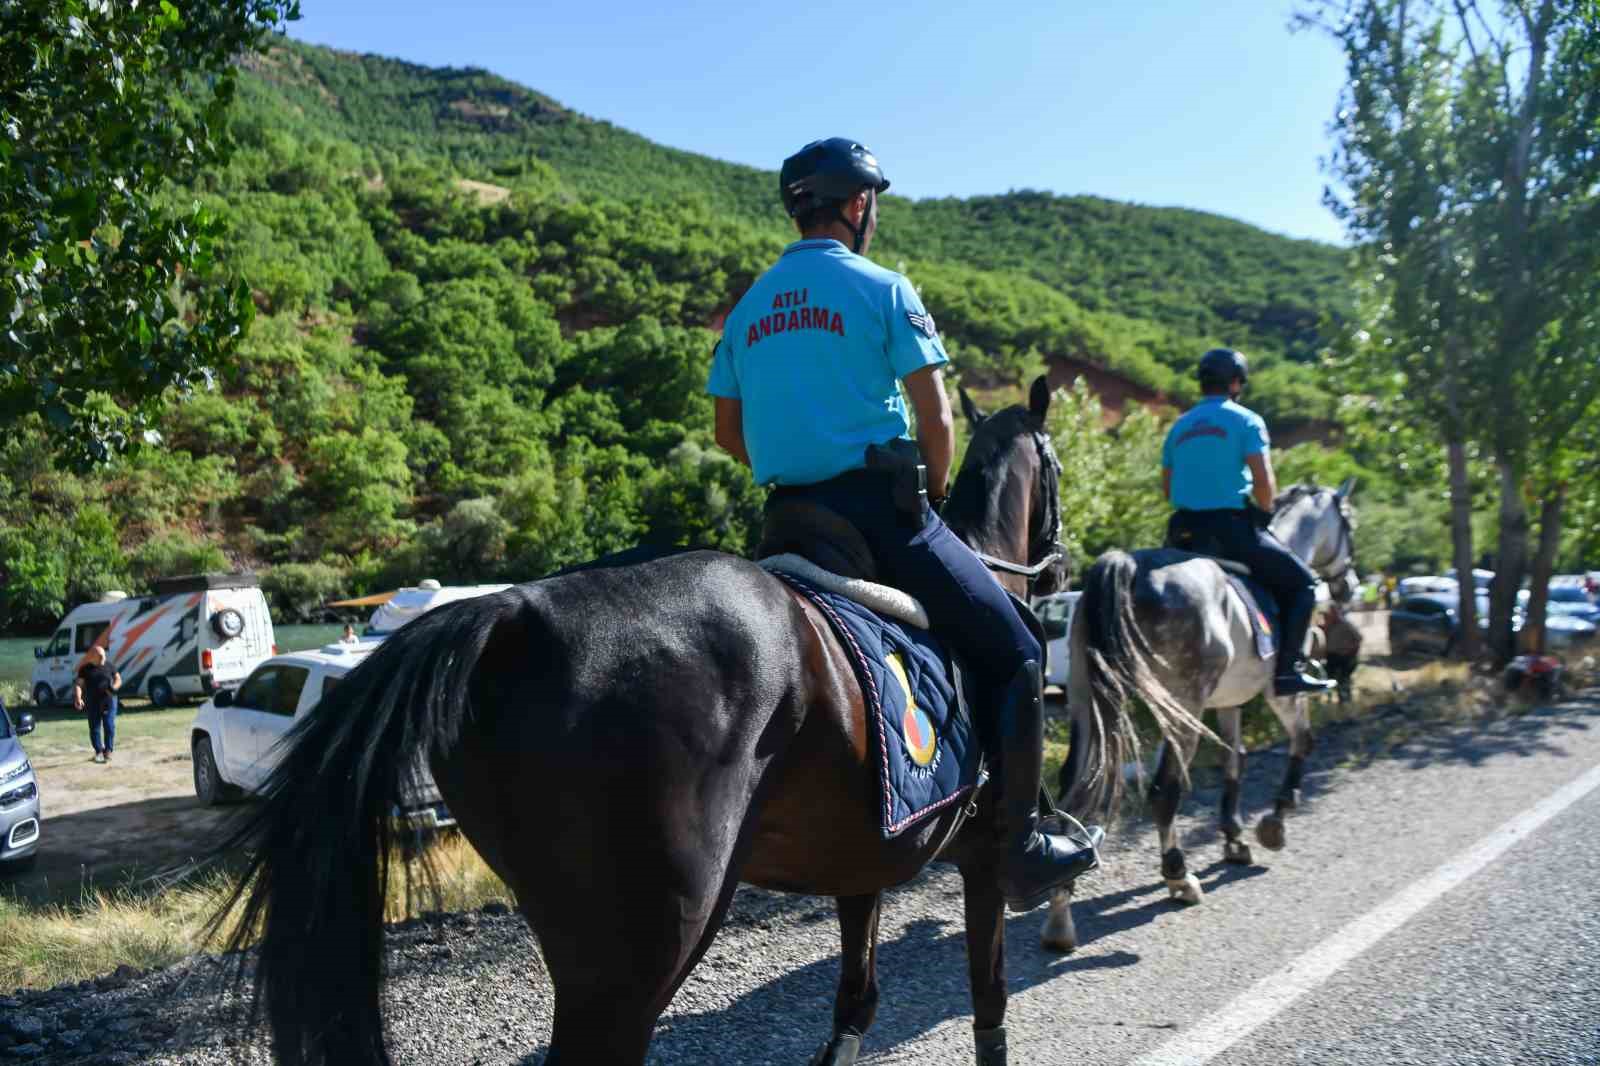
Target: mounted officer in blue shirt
(1215, 462)
(804, 379)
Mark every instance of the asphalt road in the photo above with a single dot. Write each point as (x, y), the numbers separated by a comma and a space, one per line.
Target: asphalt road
(1375, 937)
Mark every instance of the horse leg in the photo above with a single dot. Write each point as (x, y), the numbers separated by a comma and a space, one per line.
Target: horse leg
(856, 1003)
(1234, 850)
(1294, 713)
(986, 959)
(1166, 794)
(606, 1012)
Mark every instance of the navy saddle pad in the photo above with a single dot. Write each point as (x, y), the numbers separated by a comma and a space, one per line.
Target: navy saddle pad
(927, 752)
(1263, 612)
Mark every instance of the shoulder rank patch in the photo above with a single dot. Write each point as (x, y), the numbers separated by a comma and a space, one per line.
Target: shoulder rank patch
(923, 323)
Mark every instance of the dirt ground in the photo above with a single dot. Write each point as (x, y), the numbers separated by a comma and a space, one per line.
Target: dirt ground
(105, 825)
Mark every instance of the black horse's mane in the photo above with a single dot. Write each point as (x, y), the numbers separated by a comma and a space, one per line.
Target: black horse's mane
(983, 466)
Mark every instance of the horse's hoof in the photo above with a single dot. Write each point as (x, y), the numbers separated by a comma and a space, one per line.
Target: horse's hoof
(1270, 832)
(991, 1046)
(1059, 934)
(1187, 889)
(1236, 852)
(839, 1051)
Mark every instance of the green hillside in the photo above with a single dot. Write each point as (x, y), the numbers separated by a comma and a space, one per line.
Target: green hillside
(1146, 288)
(484, 327)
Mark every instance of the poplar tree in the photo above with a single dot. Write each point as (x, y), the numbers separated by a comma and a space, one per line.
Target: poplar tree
(1470, 184)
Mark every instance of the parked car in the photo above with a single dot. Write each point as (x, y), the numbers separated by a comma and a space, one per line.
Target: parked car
(189, 636)
(235, 737)
(1055, 615)
(19, 795)
(1418, 586)
(1573, 601)
(1427, 623)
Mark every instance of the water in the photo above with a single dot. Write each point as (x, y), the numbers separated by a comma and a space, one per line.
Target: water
(16, 653)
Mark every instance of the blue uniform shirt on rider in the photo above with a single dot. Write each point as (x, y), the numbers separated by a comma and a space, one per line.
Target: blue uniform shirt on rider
(1206, 450)
(813, 353)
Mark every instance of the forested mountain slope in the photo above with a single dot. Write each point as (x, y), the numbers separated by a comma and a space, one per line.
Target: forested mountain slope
(485, 323)
(1144, 285)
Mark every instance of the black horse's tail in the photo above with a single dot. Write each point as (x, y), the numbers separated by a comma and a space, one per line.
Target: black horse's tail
(320, 843)
(1113, 662)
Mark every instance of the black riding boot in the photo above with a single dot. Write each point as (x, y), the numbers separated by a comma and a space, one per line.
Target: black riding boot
(1035, 863)
(1292, 679)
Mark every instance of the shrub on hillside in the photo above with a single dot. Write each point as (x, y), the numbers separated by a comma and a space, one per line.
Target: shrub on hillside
(296, 592)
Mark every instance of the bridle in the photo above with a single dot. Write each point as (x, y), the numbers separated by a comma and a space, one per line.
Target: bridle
(1050, 548)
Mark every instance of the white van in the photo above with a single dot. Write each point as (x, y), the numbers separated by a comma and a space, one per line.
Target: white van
(407, 604)
(188, 636)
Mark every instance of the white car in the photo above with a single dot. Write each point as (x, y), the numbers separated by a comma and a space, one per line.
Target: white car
(235, 736)
(1055, 615)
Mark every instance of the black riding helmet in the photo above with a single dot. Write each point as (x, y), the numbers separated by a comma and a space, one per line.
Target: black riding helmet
(826, 174)
(1220, 366)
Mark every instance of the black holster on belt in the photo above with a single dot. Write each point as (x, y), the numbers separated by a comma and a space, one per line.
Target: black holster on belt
(901, 459)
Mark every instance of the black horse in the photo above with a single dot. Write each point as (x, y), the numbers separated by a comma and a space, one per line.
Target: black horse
(624, 745)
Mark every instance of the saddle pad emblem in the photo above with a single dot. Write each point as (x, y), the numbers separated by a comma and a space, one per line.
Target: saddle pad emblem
(922, 742)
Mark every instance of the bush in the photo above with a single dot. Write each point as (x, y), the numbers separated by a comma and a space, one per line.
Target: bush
(297, 592)
(174, 553)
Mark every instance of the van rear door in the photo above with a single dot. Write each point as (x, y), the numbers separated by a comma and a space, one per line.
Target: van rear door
(232, 658)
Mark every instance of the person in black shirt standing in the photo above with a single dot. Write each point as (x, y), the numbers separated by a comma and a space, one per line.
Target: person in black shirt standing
(95, 692)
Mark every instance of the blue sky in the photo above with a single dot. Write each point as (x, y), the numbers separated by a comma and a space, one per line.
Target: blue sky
(1211, 105)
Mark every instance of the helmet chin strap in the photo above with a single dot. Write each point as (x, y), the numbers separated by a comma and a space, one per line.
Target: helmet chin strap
(859, 233)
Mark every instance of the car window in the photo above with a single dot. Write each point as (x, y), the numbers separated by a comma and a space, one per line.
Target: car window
(1424, 607)
(286, 695)
(60, 644)
(88, 633)
(329, 683)
(257, 691)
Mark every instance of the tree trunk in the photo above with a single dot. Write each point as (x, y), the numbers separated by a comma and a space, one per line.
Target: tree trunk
(1511, 561)
(1533, 630)
(1469, 646)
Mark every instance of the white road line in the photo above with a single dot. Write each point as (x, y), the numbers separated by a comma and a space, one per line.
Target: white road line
(1252, 1009)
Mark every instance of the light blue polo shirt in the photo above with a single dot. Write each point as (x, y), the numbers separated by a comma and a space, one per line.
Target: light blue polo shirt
(1206, 450)
(813, 353)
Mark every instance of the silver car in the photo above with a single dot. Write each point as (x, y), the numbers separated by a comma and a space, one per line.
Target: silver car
(19, 796)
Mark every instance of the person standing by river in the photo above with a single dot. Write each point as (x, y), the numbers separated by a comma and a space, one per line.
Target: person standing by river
(95, 692)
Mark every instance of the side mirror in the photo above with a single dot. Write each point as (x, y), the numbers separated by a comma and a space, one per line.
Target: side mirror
(24, 724)
(41, 653)
(223, 698)
(1055, 629)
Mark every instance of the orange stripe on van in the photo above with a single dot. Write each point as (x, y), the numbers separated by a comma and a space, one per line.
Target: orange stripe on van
(142, 628)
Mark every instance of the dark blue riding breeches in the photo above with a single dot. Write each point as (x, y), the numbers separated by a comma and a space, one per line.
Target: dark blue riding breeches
(1232, 535)
(967, 607)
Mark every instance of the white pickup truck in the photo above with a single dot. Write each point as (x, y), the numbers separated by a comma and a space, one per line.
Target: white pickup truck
(235, 736)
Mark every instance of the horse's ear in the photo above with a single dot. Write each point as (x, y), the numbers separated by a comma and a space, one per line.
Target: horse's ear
(1039, 397)
(1344, 491)
(970, 409)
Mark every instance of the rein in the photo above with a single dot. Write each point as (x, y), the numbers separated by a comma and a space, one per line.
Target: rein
(1056, 550)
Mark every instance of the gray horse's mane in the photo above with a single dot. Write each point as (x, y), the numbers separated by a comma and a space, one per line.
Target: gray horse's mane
(1293, 494)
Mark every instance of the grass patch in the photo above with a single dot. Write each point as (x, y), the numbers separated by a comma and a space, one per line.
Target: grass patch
(149, 925)
(65, 731)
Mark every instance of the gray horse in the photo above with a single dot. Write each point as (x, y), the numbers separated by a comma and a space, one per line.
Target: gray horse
(1168, 627)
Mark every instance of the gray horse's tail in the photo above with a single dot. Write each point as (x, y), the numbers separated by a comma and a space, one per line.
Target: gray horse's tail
(1112, 662)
